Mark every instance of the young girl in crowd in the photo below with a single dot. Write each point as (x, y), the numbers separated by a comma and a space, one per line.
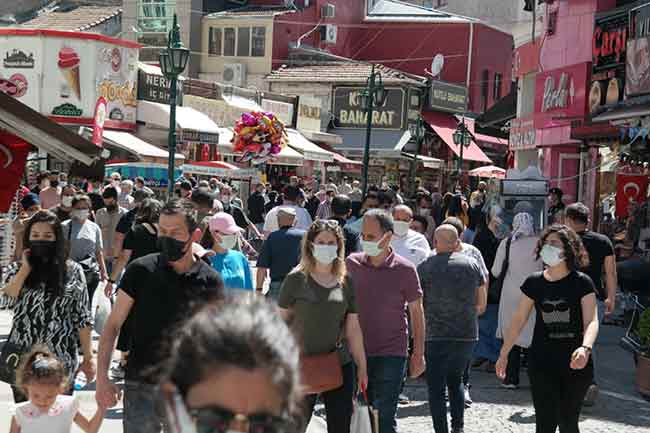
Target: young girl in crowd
(43, 379)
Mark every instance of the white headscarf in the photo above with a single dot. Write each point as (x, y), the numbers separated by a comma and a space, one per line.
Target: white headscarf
(522, 225)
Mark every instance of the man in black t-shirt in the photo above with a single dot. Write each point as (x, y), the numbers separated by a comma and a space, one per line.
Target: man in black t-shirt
(601, 257)
(556, 206)
(341, 211)
(256, 204)
(164, 287)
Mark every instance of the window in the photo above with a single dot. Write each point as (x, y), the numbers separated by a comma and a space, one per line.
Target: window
(551, 25)
(229, 41)
(497, 86)
(155, 16)
(258, 45)
(485, 88)
(214, 42)
(243, 41)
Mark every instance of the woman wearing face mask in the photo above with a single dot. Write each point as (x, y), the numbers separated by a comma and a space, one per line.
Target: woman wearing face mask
(231, 264)
(319, 299)
(85, 242)
(52, 306)
(234, 369)
(62, 211)
(560, 365)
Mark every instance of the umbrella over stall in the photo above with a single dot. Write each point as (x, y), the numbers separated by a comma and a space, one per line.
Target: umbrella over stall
(489, 171)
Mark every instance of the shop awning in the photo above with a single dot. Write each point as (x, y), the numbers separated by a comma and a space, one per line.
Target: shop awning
(150, 69)
(154, 175)
(427, 161)
(444, 125)
(288, 156)
(340, 159)
(310, 151)
(136, 146)
(241, 103)
(36, 129)
(381, 140)
(187, 118)
(220, 169)
(503, 110)
(622, 113)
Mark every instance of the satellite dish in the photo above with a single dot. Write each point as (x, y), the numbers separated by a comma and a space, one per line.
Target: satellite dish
(436, 64)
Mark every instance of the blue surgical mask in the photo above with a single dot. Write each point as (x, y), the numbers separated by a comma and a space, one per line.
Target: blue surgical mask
(325, 254)
(551, 256)
(371, 248)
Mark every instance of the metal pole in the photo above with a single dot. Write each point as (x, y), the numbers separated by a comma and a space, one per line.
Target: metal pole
(366, 151)
(414, 161)
(171, 144)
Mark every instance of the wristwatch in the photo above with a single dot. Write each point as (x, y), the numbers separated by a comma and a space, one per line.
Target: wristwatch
(587, 348)
(111, 281)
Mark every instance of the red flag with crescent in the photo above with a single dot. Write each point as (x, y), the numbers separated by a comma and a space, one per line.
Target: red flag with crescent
(13, 157)
(630, 188)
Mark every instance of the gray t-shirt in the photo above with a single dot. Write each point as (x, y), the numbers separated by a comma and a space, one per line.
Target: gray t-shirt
(86, 239)
(449, 282)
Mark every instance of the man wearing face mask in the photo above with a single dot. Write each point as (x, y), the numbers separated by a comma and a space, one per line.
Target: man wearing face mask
(107, 219)
(406, 242)
(385, 282)
(163, 287)
(236, 211)
(324, 211)
(64, 208)
(30, 204)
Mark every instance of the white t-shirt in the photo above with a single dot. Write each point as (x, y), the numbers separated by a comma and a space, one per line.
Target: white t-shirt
(303, 219)
(58, 419)
(413, 247)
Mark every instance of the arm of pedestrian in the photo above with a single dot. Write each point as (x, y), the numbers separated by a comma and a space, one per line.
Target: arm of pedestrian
(91, 425)
(16, 283)
(416, 312)
(519, 319)
(354, 338)
(15, 428)
(118, 242)
(87, 365)
(498, 260)
(580, 356)
(481, 298)
(103, 275)
(260, 277)
(611, 282)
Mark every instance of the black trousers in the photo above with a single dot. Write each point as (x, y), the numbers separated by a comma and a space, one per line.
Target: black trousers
(338, 403)
(558, 396)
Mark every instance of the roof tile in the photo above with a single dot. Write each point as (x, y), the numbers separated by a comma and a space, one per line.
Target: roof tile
(78, 19)
(341, 72)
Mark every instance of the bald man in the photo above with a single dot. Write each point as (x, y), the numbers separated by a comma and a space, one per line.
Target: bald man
(453, 298)
(408, 243)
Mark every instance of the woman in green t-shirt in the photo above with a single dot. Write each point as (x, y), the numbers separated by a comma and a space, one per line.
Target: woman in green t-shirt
(320, 300)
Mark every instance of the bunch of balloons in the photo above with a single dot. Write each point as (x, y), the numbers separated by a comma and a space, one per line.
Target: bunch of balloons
(259, 136)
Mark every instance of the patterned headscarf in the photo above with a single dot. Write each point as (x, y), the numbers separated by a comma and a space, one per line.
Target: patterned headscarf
(522, 225)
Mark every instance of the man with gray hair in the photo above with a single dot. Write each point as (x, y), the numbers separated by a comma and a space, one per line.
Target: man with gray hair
(125, 199)
(385, 283)
(408, 243)
(453, 298)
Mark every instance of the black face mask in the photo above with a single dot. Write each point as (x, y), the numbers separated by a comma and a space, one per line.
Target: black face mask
(54, 183)
(171, 250)
(42, 250)
(111, 207)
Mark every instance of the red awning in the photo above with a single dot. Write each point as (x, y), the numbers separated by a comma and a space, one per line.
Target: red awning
(444, 125)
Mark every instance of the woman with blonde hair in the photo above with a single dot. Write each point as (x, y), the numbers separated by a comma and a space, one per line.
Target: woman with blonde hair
(319, 299)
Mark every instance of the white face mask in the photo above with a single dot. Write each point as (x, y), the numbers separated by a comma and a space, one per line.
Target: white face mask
(228, 241)
(424, 212)
(551, 255)
(371, 248)
(325, 254)
(66, 200)
(401, 228)
(80, 214)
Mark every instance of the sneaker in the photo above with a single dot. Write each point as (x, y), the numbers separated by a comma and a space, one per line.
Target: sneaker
(404, 399)
(591, 396)
(509, 385)
(468, 398)
(118, 371)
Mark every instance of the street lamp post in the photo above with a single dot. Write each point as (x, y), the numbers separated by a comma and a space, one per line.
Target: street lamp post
(462, 138)
(417, 132)
(173, 61)
(374, 95)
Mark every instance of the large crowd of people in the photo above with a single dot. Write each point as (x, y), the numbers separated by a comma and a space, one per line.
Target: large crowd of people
(351, 293)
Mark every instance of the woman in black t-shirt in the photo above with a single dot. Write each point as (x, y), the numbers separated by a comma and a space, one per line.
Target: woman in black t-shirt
(560, 365)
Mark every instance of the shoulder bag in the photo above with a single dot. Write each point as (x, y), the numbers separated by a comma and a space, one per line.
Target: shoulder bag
(10, 359)
(496, 285)
(321, 372)
(89, 266)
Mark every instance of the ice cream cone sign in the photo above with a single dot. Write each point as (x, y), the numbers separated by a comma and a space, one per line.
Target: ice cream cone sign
(69, 66)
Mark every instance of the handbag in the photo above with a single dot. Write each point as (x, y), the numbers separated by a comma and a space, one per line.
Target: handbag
(321, 373)
(365, 418)
(89, 266)
(9, 360)
(496, 285)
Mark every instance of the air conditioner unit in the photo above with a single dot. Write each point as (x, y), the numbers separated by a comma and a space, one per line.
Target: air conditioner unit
(328, 11)
(329, 33)
(234, 74)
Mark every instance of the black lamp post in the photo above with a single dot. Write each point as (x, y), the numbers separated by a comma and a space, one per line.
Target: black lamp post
(462, 138)
(417, 132)
(374, 95)
(173, 61)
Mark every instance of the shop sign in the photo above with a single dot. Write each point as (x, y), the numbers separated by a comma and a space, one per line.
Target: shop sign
(526, 59)
(523, 134)
(561, 93)
(448, 97)
(283, 110)
(67, 110)
(309, 113)
(18, 59)
(156, 88)
(637, 71)
(348, 113)
(191, 136)
(609, 41)
(414, 104)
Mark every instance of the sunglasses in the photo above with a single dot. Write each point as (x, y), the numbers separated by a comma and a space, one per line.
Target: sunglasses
(218, 420)
(560, 307)
(332, 224)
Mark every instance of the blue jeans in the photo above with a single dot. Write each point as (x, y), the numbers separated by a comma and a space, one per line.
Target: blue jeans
(143, 409)
(488, 345)
(385, 374)
(446, 361)
(274, 290)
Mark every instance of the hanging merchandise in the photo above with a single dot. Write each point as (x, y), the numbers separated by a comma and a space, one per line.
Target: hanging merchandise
(260, 136)
(13, 157)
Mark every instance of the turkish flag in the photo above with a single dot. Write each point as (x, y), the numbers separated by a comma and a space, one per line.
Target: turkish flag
(13, 157)
(630, 188)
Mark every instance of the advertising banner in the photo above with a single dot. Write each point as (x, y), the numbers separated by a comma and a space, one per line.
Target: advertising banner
(561, 95)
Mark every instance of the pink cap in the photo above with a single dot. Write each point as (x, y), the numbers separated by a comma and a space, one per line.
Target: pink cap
(223, 222)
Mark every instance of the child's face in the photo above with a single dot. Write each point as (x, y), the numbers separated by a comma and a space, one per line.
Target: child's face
(42, 395)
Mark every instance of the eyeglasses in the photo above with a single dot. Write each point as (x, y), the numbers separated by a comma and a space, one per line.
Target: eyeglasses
(332, 224)
(218, 420)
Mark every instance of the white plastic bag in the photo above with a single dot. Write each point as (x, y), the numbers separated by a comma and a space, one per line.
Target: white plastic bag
(101, 308)
(360, 418)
